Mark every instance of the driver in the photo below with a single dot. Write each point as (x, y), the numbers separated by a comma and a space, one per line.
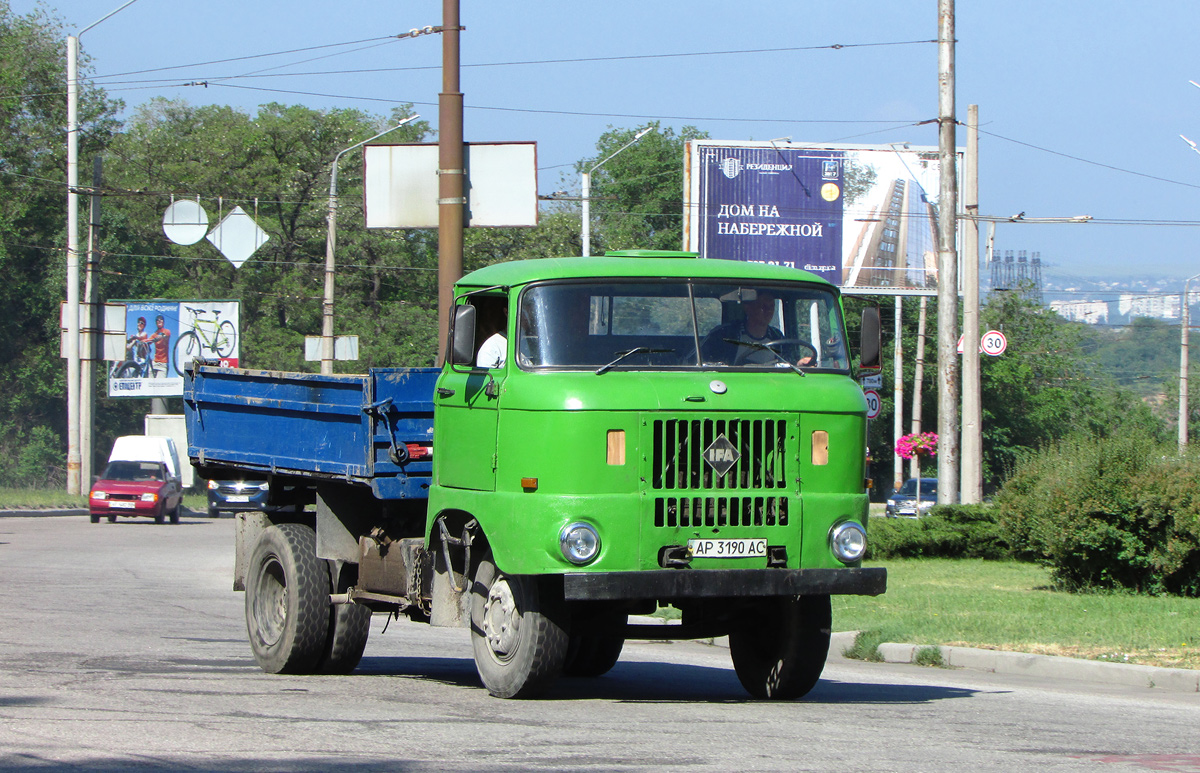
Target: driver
(754, 327)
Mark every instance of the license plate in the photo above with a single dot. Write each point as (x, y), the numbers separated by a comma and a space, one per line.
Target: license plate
(728, 548)
(237, 498)
(122, 505)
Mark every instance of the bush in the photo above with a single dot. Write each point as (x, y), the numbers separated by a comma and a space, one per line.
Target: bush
(948, 531)
(1112, 513)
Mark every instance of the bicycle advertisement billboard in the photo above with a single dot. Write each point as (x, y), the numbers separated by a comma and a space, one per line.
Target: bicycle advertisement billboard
(162, 336)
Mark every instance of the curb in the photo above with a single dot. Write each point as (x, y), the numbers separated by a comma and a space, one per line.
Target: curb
(1056, 666)
(46, 512)
(1000, 662)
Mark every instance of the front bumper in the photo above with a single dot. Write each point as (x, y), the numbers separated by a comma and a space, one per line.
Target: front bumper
(666, 584)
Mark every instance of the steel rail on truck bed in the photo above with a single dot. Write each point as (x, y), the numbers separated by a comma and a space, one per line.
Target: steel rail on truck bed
(374, 428)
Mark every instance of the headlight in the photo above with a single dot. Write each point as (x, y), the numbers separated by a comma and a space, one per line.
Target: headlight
(99, 495)
(149, 497)
(579, 542)
(213, 485)
(264, 486)
(848, 540)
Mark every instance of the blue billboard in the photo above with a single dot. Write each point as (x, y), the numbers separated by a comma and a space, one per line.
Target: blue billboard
(776, 205)
(859, 216)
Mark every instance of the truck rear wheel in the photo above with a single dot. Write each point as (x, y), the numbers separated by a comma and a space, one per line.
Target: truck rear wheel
(517, 632)
(287, 601)
(595, 645)
(349, 627)
(781, 652)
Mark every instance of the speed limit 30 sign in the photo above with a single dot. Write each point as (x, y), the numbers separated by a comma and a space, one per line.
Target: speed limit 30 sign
(874, 404)
(993, 343)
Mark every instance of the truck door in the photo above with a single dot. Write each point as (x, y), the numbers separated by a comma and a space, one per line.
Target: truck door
(467, 400)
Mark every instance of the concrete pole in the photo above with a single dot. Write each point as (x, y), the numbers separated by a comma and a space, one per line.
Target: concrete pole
(585, 191)
(914, 464)
(897, 398)
(74, 485)
(1183, 366)
(947, 263)
(87, 385)
(972, 408)
(451, 174)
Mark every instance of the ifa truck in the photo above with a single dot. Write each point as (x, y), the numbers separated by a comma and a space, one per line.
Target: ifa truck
(608, 437)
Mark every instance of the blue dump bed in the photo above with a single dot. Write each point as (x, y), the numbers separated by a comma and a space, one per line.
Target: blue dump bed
(375, 428)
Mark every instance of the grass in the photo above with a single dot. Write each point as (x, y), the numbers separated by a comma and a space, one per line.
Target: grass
(1008, 605)
(44, 499)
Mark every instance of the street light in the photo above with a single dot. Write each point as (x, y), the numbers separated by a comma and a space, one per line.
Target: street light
(75, 483)
(330, 242)
(587, 191)
(1183, 369)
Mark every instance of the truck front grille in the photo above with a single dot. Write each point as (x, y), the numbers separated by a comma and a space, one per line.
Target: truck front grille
(684, 512)
(679, 444)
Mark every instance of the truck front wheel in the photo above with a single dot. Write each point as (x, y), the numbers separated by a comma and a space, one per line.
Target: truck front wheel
(780, 652)
(287, 600)
(518, 632)
(595, 644)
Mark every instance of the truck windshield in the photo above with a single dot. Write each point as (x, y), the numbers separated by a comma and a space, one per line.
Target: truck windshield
(665, 324)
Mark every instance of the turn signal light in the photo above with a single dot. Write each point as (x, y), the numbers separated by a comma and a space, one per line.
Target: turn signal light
(529, 484)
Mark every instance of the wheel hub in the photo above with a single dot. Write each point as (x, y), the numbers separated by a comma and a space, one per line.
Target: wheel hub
(501, 620)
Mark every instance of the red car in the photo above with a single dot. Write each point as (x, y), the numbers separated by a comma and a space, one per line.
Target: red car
(136, 488)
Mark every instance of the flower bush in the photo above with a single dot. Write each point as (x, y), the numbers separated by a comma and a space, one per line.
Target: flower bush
(917, 445)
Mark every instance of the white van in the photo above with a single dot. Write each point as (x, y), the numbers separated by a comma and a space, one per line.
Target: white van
(147, 448)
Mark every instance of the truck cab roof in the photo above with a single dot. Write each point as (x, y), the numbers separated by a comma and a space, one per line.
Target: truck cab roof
(632, 263)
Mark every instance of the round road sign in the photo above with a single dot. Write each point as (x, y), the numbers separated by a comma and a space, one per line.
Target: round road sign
(993, 343)
(874, 404)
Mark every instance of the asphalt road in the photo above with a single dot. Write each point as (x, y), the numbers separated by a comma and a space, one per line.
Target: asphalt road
(122, 647)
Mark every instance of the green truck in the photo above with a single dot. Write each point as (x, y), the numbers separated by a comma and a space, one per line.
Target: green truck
(608, 437)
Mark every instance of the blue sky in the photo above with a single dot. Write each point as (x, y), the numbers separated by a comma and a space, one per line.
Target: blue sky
(1082, 101)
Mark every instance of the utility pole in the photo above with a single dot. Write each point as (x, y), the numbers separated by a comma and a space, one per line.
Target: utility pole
(972, 408)
(451, 174)
(897, 398)
(914, 464)
(1183, 366)
(74, 485)
(87, 400)
(947, 263)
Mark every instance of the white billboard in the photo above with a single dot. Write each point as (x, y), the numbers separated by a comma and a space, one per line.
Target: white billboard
(400, 186)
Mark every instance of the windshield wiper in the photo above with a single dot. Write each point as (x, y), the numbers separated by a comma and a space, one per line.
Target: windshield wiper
(765, 348)
(635, 350)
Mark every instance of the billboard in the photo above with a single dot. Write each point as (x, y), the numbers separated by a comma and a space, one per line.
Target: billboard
(862, 217)
(400, 185)
(161, 336)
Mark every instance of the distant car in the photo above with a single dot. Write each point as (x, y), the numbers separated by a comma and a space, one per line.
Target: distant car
(903, 501)
(236, 495)
(144, 488)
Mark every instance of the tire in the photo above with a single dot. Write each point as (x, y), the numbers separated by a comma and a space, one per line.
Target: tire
(781, 652)
(187, 348)
(226, 338)
(112, 519)
(349, 627)
(129, 370)
(517, 632)
(161, 515)
(214, 512)
(595, 645)
(95, 518)
(287, 600)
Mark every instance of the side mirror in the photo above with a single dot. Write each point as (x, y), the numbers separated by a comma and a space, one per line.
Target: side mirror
(462, 336)
(871, 342)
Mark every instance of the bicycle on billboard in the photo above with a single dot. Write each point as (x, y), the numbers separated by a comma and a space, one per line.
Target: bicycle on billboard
(212, 335)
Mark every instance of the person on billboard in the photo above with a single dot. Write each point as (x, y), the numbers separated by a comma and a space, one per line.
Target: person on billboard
(161, 338)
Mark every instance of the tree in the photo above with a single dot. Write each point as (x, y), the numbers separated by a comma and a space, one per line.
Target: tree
(32, 227)
(637, 196)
